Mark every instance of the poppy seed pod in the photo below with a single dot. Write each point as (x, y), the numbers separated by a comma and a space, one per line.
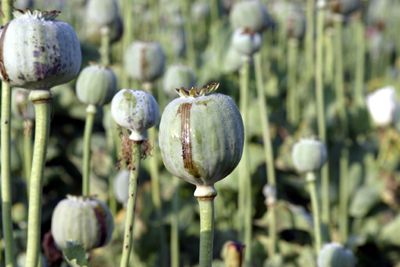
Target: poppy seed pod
(135, 110)
(382, 105)
(145, 61)
(21, 106)
(335, 255)
(96, 85)
(201, 136)
(38, 52)
(121, 183)
(309, 155)
(250, 14)
(246, 42)
(101, 14)
(84, 220)
(23, 4)
(345, 7)
(291, 16)
(178, 76)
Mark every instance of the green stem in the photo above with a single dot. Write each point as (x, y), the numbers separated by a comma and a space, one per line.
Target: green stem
(130, 207)
(359, 78)
(127, 36)
(319, 85)
(344, 195)
(6, 8)
(292, 101)
(312, 188)
(206, 208)
(155, 193)
(28, 124)
(309, 40)
(188, 27)
(268, 151)
(42, 102)
(105, 46)
(329, 56)
(175, 229)
(87, 137)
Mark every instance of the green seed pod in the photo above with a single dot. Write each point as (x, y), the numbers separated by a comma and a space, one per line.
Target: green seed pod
(233, 60)
(291, 17)
(96, 85)
(246, 42)
(145, 61)
(309, 155)
(135, 110)
(201, 136)
(250, 14)
(335, 255)
(19, 213)
(178, 76)
(84, 220)
(38, 52)
(21, 106)
(103, 14)
(23, 4)
(121, 183)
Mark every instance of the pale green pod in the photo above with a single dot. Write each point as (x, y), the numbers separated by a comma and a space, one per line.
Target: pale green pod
(178, 76)
(246, 42)
(96, 85)
(21, 106)
(201, 136)
(290, 16)
(135, 110)
(38, 52)
(233, 60)
(84, 220)
(309, 155)
(335, 255)
(144, 61)
(251, 14)
(103, 14)
(121, 182)
(23, 4)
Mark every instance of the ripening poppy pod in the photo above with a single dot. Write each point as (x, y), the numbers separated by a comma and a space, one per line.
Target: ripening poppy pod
(250, 14)
(345, 7)
(96, 85)
(135, 110)
(37, 51)
(335, 255)
(291, 16)
(201, 136)
(309, 155)
(103, 14)
(246, 42)
(178, 76)
(83, 220)
(23, 4)
(145, 61)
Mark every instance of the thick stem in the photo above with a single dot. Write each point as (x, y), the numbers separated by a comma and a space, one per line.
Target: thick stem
(28, 124)
(175, 229)
(292, 100)
(105, 46)
(42, 102)
(312, 188)
(130, 207)
(319, 86)
(206, 208)
(87, 137)
(344, 195)
(6, 8)
(360, 70)
(268, 151)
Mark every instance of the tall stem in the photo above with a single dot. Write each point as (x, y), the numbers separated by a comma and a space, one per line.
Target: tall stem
(28, 124)
(360, 70)
(268, 151)
(6, 8)
(87, 137)
(344, 194)
(319, 86)
(42, 102)
(105, 46)
(309, 40)
(127, 36)
(130, 207)
(206, 208)
(175, 229)
(292, 100)
(312, 188)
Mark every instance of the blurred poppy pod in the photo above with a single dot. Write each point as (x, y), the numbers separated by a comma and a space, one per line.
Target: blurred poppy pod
(251, 14)
(309, 155)
(246, 42)
(38, 61)
(178, 76)
(335, 255)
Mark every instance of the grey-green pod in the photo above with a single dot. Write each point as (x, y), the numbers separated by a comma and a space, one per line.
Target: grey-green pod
(96, 85)
(178, 76)
(251, 14)
(201, 137)
(246, 42)
(335, 255)
(309, 155)
(84, 220)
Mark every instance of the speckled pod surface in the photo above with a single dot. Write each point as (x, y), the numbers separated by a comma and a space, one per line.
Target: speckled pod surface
(96, 85)
(335, 255)
(99, 14)
(135, 110)
(246, 42)
(38, 52)
(84, 220)
(201, 138)
(309, 155)
(250, 14)
(178, 76)
(144, 61)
